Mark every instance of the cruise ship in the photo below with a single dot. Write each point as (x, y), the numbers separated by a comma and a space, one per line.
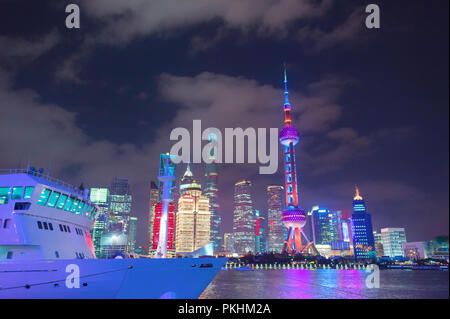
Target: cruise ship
(46, 249)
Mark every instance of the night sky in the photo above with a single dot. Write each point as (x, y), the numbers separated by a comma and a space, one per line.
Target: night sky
(371, 105)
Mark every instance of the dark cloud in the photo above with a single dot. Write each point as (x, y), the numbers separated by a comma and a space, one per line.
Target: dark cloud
(344, 33)
(16, 51)
(122, 22)
(131, 19)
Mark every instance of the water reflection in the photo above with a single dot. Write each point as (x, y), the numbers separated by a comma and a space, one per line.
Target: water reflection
(325, 283)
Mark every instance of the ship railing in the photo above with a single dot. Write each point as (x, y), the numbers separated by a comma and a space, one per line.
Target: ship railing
(43, 176)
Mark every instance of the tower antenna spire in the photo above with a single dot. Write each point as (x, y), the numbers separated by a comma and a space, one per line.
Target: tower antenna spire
(286, 92)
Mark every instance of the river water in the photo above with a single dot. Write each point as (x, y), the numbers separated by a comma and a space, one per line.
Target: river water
(326, 284)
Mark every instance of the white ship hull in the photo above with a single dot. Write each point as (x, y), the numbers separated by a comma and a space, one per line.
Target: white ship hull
(181, 278)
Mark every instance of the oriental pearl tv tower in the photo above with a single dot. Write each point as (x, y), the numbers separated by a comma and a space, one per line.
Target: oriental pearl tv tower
(293, 216)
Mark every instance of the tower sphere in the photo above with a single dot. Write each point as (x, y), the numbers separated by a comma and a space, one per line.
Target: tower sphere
(294, 217)
(289, 134)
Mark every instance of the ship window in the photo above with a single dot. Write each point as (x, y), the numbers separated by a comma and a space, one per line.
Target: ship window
(85, 208)
(45, 225)
(50, 225)
(80, 207)
(288, 168)
(9, 255)
(68, 204)
(28, 192)
(60, 227)
(17, 193)
(53, 199)
(44, 196)
(56, 254)
(6, 223)
(289, 178)
(22, 206)
(75, 206)
(68, 229)
(65, 228)
(4, 194)
(61, 201)
(39, 225)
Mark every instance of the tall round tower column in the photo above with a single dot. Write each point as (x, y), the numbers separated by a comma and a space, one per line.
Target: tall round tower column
(293, 216)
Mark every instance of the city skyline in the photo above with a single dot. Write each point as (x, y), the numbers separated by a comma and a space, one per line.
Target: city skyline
(89, 118)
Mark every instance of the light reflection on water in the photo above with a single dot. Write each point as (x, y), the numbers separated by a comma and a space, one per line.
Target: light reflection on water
(325, 283)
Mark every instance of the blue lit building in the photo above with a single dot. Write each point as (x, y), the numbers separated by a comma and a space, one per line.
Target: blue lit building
(362, 232)
(324, 226)
(329, 228)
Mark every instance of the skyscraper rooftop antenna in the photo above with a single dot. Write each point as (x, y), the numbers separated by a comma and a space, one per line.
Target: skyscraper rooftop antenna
(357, 195)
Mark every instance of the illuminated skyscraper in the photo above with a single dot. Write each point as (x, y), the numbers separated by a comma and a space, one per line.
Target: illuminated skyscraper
(362, 232)
(132, 228)
(186, 180)
(393, 240)
(120, 199)
(211, 190)
(331, 228)
(228, 242)
(243, 221)
(120, 203)
(345, 228)
(294, 217)
(260, 233)
(321, 226)
(193, 220)
(154, 199)
(100, 197)
(379, 251)
(276, 229)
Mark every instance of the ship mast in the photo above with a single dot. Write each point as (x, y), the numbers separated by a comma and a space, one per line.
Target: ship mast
(166, 178)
